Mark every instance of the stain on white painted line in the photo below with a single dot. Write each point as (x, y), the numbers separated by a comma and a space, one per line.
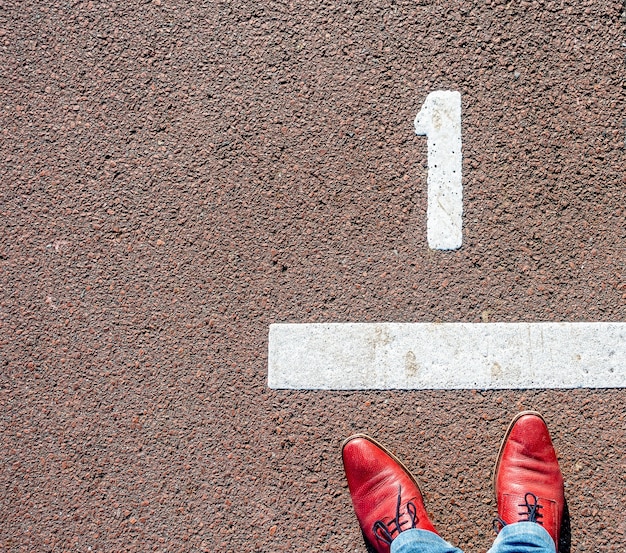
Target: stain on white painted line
(364, 356)
(440, 120)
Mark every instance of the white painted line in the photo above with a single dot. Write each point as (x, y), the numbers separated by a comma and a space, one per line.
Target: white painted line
(364, 356)
(440, 120)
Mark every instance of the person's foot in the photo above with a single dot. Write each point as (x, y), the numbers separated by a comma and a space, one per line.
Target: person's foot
(386, 497)
(527, 479)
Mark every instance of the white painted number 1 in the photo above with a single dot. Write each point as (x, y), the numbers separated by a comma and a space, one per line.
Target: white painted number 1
(440, 120)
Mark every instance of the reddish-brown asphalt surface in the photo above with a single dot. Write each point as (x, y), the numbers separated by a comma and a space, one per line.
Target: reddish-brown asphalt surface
(177, 175)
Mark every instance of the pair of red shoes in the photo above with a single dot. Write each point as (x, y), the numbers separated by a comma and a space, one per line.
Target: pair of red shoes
(527, 480)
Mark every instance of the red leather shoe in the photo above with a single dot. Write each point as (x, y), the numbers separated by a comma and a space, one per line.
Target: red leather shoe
(527, 480)
(386, 497)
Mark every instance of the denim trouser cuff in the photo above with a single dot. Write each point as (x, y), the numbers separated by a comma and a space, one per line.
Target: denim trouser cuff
(421, 541)
(521, 537)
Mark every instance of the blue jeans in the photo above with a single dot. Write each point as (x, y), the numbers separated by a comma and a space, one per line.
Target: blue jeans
(521, 537)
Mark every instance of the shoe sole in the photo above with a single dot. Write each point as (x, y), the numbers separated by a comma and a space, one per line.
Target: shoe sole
(506, 437)
(381, 446)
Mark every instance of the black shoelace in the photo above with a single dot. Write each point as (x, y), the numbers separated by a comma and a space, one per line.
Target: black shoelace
(531, 512)
(384, 531)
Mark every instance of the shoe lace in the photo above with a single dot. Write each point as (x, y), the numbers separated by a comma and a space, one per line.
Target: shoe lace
(532, 509)
(384, 531)
(531, 512)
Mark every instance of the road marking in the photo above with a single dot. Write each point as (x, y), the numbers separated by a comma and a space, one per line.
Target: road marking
(440, 120)
(364, 356)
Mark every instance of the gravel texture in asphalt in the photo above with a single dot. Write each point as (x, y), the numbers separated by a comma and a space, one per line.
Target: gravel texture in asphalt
(177, 175)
